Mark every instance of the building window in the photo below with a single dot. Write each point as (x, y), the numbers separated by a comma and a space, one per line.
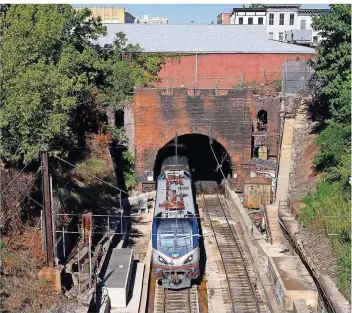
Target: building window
(271, 19)
(281, 36)
(315, 39)
(303, 24)
(240, 21)
(292, 19)
(282, 19)
(271, 35)
(250, 21)
(260, 21)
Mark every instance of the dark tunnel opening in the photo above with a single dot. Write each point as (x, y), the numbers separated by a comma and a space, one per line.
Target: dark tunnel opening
(202, 162)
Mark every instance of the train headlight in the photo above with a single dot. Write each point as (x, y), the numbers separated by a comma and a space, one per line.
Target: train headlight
(161, 260)
(189, 259)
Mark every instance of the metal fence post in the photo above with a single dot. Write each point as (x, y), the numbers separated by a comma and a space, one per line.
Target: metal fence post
(90, 260)
(79, 274)
(63, 242)
(121, 213)
(108, 224)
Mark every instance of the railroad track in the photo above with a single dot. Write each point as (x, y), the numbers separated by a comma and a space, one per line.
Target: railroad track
(241, 293)
(176, 301)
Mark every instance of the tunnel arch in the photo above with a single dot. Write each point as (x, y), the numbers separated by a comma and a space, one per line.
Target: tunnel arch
(203, 164)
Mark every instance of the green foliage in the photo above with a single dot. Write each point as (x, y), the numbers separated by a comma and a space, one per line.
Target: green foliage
(128, 172)
(277, 85)
(256, 5)
(94, 166)
(329, 208)
(333, 93)
(48, 69)
(329, 212)
(56, 86)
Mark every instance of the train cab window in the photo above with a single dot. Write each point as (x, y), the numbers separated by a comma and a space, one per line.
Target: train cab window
(187, 175)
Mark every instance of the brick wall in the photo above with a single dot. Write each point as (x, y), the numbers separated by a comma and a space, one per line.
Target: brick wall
(218, 70)
(225, 115)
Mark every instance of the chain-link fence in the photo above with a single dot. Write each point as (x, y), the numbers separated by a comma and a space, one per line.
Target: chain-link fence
(295, 76)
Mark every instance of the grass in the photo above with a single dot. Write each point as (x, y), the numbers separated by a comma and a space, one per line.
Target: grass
(89, 193)
(329, 212)
(94, 166)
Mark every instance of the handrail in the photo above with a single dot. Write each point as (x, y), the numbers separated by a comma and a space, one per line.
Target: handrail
(267, 224)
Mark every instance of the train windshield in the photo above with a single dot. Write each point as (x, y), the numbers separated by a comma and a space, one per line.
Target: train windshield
(175, 236)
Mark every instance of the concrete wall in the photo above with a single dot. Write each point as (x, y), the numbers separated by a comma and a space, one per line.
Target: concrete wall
(223, 70)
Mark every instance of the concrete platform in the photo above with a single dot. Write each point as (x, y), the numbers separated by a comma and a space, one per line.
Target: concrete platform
(117, 277)
(135, 292)
(292, 281)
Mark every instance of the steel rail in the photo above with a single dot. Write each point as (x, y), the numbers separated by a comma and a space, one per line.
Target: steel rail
(217, 243)
(241, 254)
(176, 301)
(237, 248)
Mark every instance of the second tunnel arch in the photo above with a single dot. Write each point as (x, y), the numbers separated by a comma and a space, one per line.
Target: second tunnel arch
(203, 163)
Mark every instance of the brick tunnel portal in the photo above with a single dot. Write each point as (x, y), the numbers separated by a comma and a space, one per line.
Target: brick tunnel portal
(203, 163)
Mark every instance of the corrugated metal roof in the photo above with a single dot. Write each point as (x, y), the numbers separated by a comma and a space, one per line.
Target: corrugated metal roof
(201, 39)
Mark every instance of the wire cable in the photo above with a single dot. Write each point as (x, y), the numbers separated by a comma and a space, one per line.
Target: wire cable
(27, 191)
(14, 178)
(97, 178)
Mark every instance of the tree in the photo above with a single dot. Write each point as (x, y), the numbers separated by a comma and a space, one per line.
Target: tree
(48, 71)
(56, 85)
(333, 95)
(332, 105)
(257, 5)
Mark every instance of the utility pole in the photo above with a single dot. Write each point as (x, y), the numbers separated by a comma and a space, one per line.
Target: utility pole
(47, 206)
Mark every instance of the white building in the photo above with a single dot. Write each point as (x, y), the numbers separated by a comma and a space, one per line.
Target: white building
(153, 20)
(283, 22)
(248, 16)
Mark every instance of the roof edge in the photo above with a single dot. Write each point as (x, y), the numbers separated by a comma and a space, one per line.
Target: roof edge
(230, 52)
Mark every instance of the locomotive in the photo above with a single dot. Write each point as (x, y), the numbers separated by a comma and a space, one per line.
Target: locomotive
(175, 234)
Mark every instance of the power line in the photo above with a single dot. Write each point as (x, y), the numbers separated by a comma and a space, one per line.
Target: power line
(14, 178)
(97, 178)
(27, 191)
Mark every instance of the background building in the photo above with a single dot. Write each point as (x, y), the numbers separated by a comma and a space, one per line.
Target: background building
(282, 22)
(224, 18)
(248, 16)
(225, 61)
(110, 14)
(153, 20)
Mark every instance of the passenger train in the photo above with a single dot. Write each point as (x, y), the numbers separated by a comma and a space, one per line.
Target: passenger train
(175, 234)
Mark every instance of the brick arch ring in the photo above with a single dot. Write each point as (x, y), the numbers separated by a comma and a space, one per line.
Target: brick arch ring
(219, 140)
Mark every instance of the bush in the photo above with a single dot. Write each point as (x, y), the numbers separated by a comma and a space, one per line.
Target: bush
(328, 211)
(94, 166)
(277, 85)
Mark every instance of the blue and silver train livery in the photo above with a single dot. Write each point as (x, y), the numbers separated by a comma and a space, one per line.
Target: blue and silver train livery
(175, 234)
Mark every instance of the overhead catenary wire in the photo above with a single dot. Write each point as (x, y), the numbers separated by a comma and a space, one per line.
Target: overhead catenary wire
(91, 175)
(11, 182)
(25, 194)
(27, 191)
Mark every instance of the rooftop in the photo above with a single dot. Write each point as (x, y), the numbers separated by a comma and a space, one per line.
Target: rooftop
(313, 11)
(200, 39)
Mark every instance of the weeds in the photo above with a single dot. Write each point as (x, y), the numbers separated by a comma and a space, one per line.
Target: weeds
(328, 212)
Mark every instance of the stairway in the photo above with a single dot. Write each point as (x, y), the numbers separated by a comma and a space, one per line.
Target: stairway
(285, 161)
(272, 211)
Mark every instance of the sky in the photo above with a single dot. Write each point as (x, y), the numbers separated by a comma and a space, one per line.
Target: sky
(185, 13)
